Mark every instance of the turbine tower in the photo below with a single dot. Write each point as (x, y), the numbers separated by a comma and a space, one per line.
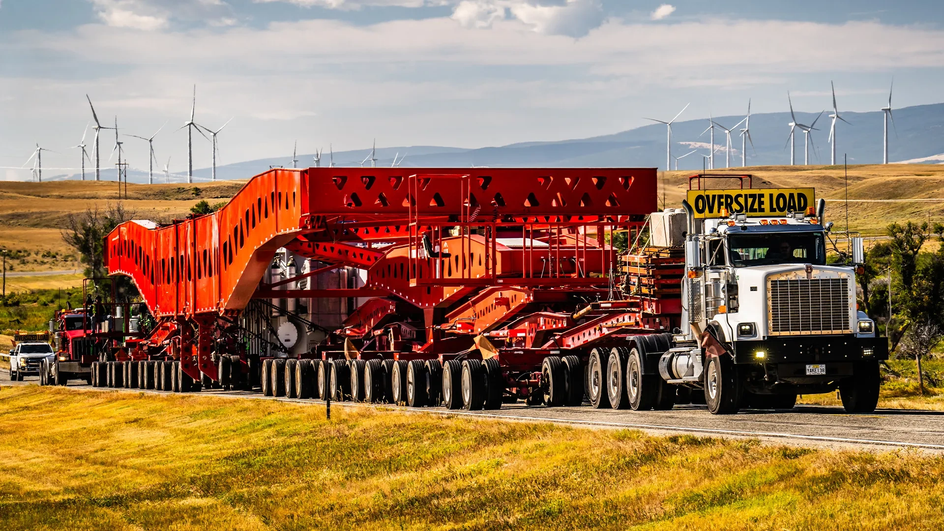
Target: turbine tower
(832, 127)
(295, 155)
(711, 128)
(167, 171)
(746, 135)
(84, 155)
(97, 128)
(191, 125)
(151, 159)
(668, 135)
(331, 156)
(887, 111)
(372, 157)
(317, 157)
(214, 146)
(683, 156)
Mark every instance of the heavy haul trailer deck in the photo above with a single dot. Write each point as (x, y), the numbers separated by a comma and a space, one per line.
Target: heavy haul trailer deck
(470, 288)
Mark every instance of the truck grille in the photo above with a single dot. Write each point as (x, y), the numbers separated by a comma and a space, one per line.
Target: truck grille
(809, 306)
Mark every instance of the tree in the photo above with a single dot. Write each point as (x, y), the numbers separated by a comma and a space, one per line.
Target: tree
(201, 208)
(86, 234)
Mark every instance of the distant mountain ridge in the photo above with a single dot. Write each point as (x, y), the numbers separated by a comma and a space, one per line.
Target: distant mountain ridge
(916, 136)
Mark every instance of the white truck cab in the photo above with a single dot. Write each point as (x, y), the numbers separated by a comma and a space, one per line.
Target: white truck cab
(27, 359)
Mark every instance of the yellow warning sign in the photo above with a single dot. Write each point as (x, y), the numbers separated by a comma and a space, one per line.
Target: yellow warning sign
(754, 203)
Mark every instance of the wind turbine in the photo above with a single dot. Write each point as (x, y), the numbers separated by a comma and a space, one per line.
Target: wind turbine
(711, 128)
(791, 141)
(668, 135)
(832, 128)
(317, 157)
(213, 145)
(167, 171)
(727, 149)
(331, 155)
(191, 125)
(81, 145)
(746, 135)
(294, 155)
(683, 156)
(372, 157)
(151, 159)
(97, 128)
(38, 165)
(887, 111)
(117, 149)
(807, 129)
(394, 163)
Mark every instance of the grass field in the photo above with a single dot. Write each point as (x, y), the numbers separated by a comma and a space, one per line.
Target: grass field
(102, 460)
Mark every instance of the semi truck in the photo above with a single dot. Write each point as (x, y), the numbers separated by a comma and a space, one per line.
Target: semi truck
(475, 288)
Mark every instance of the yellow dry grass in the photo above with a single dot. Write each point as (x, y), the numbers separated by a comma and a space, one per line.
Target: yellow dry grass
(26, 283)
(105, 460)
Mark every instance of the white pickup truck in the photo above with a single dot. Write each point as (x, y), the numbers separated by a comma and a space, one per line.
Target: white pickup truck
(27, 358)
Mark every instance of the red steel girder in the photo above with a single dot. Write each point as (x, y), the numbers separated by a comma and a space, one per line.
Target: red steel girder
(340, 253)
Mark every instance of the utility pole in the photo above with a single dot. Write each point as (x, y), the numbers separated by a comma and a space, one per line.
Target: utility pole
(3, 253)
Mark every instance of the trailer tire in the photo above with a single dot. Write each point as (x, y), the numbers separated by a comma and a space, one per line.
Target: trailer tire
(553, 381)
(387, 379)
(288, 378)
(616, 379)
(415, 389)
(304, 380)
(266, 379)
(434, 372)
(596, 379)
(357, 368)
(722, 386)
(398, 382)
(185, 382)
(373, 381)
(574, 378)
(175, 372)
(119, 373)
(133, 377)
(223, 372)
(473, 385)
(277, 375)
(95, 374)
(859, 394)
(494, 384)
(322, 377)
(340, 381)
(452, 384)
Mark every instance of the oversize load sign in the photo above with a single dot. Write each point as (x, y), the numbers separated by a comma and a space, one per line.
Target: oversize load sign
(754, 203)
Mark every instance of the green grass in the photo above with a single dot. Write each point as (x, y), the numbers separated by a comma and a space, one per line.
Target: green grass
(104, 460)
(31, 310)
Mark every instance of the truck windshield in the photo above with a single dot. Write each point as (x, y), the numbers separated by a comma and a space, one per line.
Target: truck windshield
(74, 323)
(35, 349)
(776, 248)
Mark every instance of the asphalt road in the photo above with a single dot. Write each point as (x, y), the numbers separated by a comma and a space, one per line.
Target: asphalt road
(805, 425)
(14, 274)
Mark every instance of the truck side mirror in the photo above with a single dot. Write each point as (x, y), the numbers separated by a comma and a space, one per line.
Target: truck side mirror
(829, 226)
(858, 251)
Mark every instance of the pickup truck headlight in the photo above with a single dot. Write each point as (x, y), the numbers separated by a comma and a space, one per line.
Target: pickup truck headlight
(746, 329)
(866, 327)
(22, 362)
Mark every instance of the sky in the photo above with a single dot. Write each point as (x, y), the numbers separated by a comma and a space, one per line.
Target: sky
(463, 73)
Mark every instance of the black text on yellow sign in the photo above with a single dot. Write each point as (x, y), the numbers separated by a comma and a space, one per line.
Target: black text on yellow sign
(754, 203)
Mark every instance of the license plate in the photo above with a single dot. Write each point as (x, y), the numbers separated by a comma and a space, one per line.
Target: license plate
(816, 370)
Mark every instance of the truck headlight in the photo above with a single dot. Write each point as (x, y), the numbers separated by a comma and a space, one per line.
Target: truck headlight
(22, 362)
(866, 327)
(746, 329)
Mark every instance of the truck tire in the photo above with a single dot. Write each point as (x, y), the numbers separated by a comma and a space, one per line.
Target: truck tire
(277, 375)
(640, 389)
(416, 385)
(102, 374)
(133, 378)
(356, 368)
(59, 378)
(185, 382)
(223, 371)
(340, 381)
(167, 375)
(398, 382)
(289, 378)
(452, 384)
(473, 385)
(722, 386)
(321, 379)
(596, 379)
(266, 377)
(553, 381)
(494, 384)
(859, 394)
(573, 379)
(175, 377)
(304, 380)
(373, 381)
(119, 374)
(616, 379)
(387, 377)
(434, 372)
(94, 374)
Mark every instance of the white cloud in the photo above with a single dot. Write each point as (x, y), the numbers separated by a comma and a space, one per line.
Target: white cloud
(150, 15)
(662, 11)
(575, 18)
(351, 4)
(478, 13)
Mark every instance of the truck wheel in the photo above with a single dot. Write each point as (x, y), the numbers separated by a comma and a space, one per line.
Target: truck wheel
(61, 378)
(616, 379)
(321, 379)
(373, 381)
(148, 368)
(304, 380)
(340, 379)
(494, 384)
(573, 378)
(223, 373)
(553, 381)
(185, 382)
(357, 379)
(640, 389)
(473, 385)
(277, 375)
(859, 393)
(167, 375)
(398, 382)
(289, 378)
(434, 372)
(132, 381)
(452, 384)
(416, 395)
(118, 379)
(102, 374)
(175, 377)
(266, 378)
(722, 386)
(596, 379)
(387, 380)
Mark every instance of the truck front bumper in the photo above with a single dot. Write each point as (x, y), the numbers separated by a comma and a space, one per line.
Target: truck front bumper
(811, 349)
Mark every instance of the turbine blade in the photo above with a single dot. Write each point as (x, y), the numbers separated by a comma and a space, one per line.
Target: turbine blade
(790, 136)
(654, 120)
(813, 125)
(835, 107)
(892, 116)
(890, 90)
(224, 125)
(86, 132)
(680, 113)
(790, 100)
(94, 116)
(751, 140)
(843, 119)
(158, 130)
(193, 107)
(201, 133)
(31, 157)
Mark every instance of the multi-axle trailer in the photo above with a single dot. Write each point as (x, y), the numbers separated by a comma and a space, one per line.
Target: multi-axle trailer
(472, 288)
